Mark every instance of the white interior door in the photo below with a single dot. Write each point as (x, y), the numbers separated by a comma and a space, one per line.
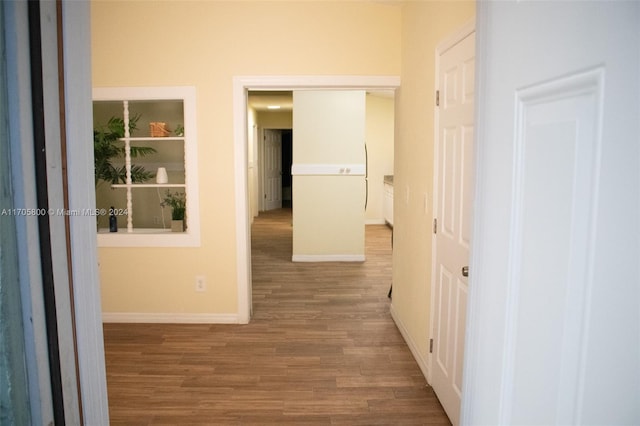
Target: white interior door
(454, 155)
(272, 169)
(554, 329)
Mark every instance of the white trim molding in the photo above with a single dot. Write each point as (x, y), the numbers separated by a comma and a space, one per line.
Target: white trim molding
(162, 237)
(168, 318)
(455, 38)
(328, 258)
(585, 92)
(422, 362)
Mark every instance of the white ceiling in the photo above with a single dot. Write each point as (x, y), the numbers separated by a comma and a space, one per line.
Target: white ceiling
(260, 100)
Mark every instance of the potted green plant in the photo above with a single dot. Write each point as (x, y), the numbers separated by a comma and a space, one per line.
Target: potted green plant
(178, 203)
(107, 148)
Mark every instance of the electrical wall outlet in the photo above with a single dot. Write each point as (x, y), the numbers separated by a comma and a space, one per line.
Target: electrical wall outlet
(201, 283)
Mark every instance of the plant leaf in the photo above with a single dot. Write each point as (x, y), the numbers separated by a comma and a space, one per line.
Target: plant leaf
(108, 147)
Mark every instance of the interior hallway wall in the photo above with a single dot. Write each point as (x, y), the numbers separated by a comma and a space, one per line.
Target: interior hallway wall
(424, 26)
(206, 44)
(379, 129)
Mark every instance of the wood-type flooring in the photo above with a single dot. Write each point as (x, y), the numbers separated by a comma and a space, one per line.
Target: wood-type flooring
(321, 349)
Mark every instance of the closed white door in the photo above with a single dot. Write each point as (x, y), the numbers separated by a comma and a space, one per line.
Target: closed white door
(454, 156)
(273, 169)
(554, 304)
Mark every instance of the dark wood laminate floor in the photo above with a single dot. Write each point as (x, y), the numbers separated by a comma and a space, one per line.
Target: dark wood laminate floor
(321, 349)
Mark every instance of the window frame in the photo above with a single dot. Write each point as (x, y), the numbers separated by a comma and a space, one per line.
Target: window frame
(191, 236)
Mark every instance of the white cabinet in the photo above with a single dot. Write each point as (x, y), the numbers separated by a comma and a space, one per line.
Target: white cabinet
(144, 221)
(388, 203)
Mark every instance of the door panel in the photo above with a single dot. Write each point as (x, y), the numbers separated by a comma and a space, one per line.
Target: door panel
(466, 190)
(448, 189)
(554, 199)
(460, 327)
(554, 335)
(454, 195)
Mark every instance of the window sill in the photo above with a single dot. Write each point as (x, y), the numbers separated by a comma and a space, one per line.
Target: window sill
(147, 237)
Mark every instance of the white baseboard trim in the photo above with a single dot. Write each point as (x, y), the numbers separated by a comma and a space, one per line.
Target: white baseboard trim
(375, 222)
(328, 258)
(169, 318)
(422, 363)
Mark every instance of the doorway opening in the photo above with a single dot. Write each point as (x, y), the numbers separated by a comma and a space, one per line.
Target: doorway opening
(269, 148)
(245, 135)
(275, 158)
(287, 162)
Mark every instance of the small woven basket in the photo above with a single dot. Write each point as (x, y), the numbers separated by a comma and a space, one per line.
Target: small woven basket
(158, 129)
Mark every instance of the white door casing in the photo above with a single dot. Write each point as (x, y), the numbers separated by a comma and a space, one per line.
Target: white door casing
(455, 62)
(554, 331)
(272, 169)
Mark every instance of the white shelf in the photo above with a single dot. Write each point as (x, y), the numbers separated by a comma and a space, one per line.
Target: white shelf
(153, 138)
(185, 163)
(149, 185)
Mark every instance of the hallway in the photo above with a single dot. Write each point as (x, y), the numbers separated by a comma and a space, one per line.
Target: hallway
(321, 349)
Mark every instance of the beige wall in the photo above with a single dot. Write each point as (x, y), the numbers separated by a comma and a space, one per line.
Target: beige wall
(379, 136)
(380, 145)
(205, 44)
(328, 128)
(424, 25)
(275, 120)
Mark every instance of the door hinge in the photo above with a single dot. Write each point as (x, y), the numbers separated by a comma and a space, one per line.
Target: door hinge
(430, 346)
(435, 225)
(437, 98)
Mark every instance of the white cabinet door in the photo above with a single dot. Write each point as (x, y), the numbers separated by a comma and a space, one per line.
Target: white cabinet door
(554, 330)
